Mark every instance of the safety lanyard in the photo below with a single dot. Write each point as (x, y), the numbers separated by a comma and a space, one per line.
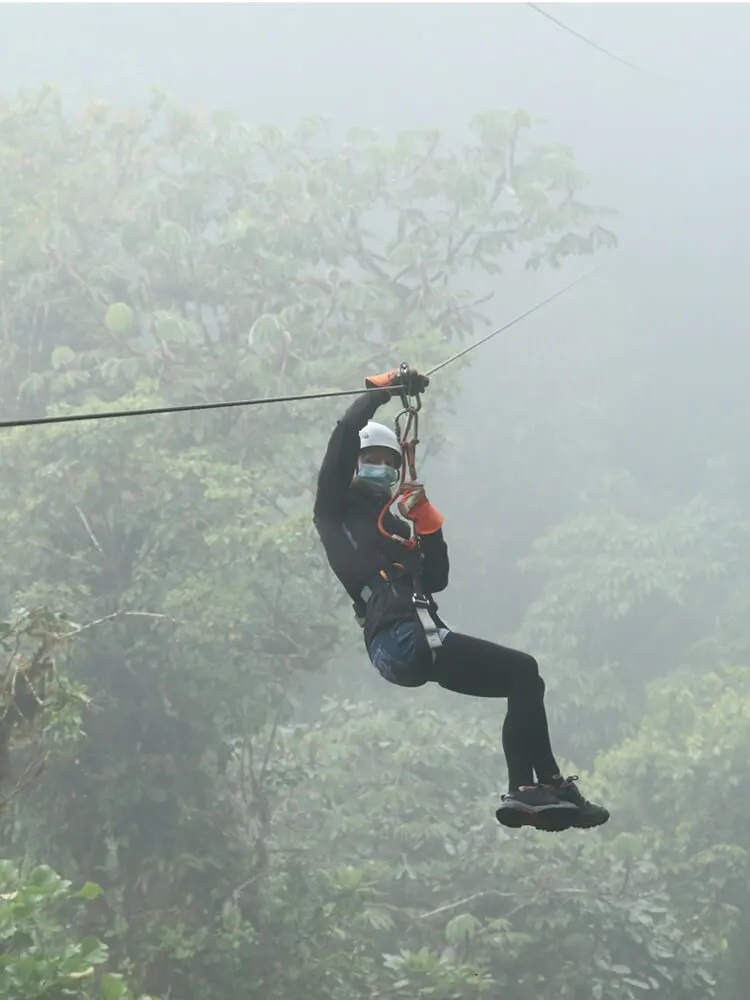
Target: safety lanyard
(407, 432)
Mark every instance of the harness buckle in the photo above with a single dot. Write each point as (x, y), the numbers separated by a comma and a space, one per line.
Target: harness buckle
(430, 627)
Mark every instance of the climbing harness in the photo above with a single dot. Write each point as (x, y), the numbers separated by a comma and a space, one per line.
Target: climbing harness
(432, 624)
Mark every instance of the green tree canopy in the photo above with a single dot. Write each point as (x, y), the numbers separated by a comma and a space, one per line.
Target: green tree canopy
(164, 255)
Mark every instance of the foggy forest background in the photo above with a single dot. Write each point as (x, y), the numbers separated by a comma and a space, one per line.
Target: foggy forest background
(207, 791)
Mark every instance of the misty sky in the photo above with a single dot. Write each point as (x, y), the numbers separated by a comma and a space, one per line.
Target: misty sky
(672, 155)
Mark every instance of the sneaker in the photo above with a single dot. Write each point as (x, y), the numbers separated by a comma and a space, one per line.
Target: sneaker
(588, 814)
(534, 805)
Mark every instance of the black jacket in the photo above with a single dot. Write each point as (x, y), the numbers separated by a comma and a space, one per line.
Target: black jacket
(346, 518)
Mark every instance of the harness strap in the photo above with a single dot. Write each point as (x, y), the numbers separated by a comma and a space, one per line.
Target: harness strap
(428, 623)
(430, 627)
(364, 596)
(422, 607)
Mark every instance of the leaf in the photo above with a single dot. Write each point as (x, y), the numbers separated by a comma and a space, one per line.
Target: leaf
(112, 987)
(47, 880)
(172, 327)
(81, 973)
(379, 919)
(61, 356)
(90, 890)
(93, 951)
(119, 317)
(32, 384)
(265, 327)
(174, 238)
(311, 127)
(461, 928)
(71, 378)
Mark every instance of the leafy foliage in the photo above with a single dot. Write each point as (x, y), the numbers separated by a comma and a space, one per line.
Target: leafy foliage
(39, 961)
(631, 593)
(382, 856)
(39, 706)
(161, 255)
(692, 749)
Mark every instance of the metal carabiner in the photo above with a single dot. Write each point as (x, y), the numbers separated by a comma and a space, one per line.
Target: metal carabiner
(410, 399)
(408, 438)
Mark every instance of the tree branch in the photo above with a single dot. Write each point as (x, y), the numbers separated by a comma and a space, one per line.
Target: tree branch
(125, 614)
(89, 529)
(509, 895)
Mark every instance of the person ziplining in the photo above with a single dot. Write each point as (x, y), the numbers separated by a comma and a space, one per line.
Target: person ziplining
(392, 565)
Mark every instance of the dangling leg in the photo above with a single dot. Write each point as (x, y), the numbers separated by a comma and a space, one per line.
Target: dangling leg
(548, 774)
(484, 669)
(530, 726)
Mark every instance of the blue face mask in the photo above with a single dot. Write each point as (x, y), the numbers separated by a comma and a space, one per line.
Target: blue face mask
(380, 478)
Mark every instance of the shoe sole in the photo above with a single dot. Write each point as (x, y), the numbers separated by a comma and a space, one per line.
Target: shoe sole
(591, 823)
(550, 819)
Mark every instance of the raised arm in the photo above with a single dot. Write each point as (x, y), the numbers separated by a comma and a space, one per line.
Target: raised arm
(340, 460)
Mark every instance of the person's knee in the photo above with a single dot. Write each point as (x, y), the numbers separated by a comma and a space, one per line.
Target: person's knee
(530, 680)
(532, 667)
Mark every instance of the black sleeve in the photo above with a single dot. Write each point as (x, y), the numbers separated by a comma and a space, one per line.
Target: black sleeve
(340, 460)
(435, 563)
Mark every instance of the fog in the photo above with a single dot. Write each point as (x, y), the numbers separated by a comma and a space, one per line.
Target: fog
(665, 147)
(609, 427)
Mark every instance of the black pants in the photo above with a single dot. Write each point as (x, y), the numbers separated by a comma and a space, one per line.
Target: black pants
(480, 669)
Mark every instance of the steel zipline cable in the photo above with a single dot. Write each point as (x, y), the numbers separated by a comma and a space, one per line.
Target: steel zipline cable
(588, 41)
(512, 322)
(68, 418)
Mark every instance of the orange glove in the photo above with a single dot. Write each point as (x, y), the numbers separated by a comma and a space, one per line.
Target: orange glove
(396, 382)
(417, 508)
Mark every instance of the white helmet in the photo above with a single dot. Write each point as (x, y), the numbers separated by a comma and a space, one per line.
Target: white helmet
(378, 436)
